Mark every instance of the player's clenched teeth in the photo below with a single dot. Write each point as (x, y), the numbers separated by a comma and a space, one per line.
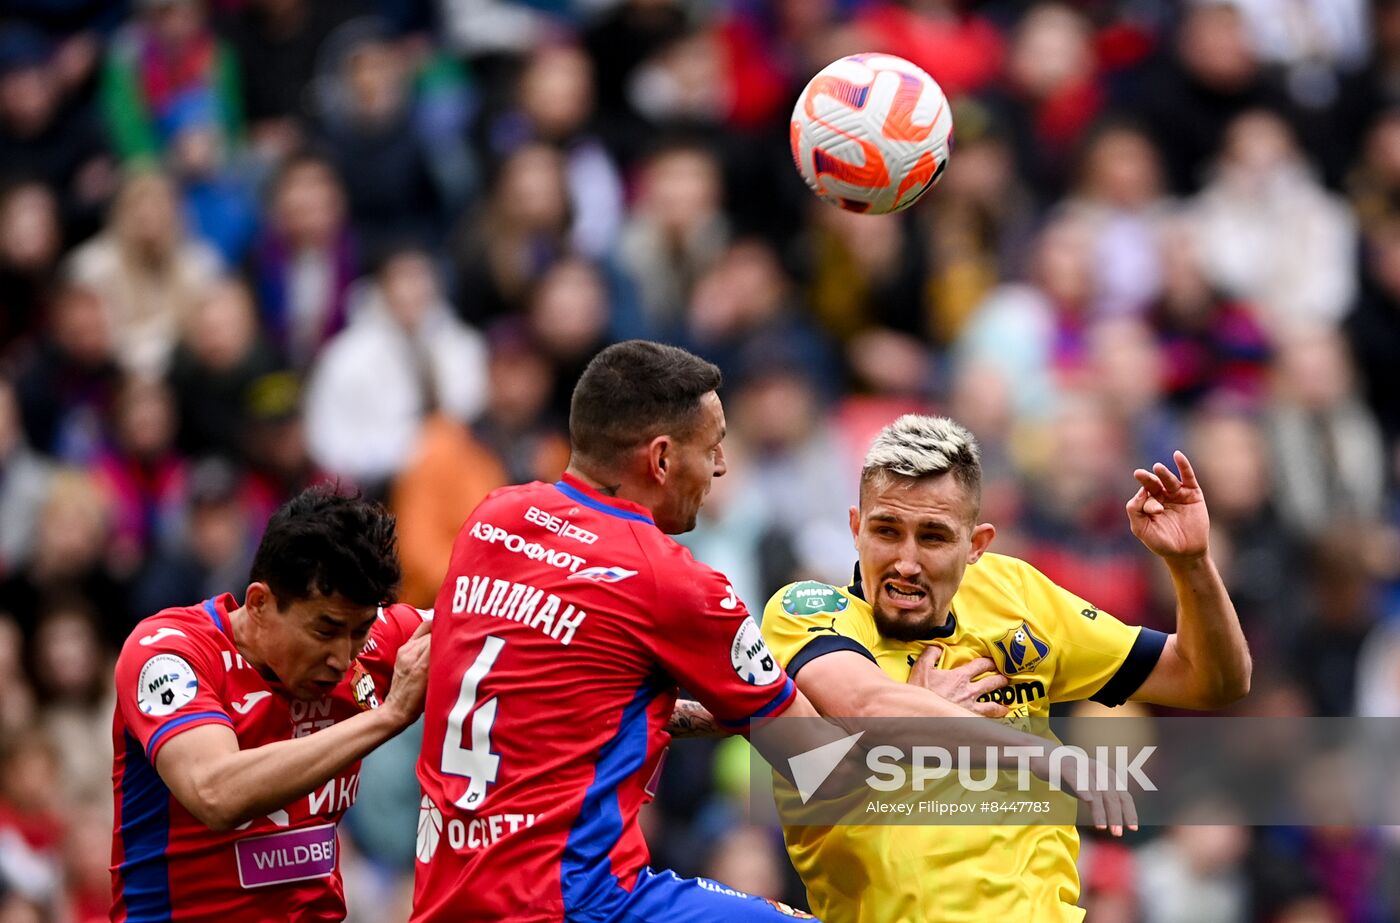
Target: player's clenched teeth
(906, 592)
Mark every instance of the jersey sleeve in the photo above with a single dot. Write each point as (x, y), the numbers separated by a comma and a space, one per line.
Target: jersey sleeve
(169, 680)
(711, 646)
(806, 620)
(374, 668)
(1099, 657)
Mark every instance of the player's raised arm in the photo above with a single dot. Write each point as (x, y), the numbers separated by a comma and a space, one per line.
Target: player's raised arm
(224, 786)
(1206, 663)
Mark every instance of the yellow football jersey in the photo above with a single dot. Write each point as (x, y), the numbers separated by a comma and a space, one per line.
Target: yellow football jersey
(1054, 647)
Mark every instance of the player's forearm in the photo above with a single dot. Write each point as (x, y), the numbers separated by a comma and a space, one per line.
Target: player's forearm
(1208, 634)
(691, 719)
(236, 787)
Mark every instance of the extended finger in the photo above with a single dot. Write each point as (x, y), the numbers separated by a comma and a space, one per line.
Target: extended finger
(977, 667)
(1188, 473)
(1164, 474)
(1113, 808)
(1096, 810)
(933, 654)
(1130, 816)
(1150, 482)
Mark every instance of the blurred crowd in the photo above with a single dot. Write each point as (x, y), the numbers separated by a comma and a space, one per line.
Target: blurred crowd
(248, 245)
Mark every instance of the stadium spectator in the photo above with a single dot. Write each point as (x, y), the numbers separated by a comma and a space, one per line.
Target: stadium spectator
(555, 106)
(220, 356)
(517, 423)
(149, 273)
(1270, 233)
(277, 43)
(1033, 333)
(44, 136)
(66, 382)
(72, 673)
(1262, 559)
(1050, 95)
(981, 225)
(367, 123)
(1331, 460)
(31, 819)
(1120, 196)
(162, 64)
(31, 241)
(142, 474)
(69, 557)
(520, 230)
(1373, 326)
(676, 231)
(215, 547)
(24, 482)
(1213, 345)
(305, 258)
(424, 359)
(1211, 75)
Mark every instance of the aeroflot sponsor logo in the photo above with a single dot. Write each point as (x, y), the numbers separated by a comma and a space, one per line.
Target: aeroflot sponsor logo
(492, 534)
(560, 527)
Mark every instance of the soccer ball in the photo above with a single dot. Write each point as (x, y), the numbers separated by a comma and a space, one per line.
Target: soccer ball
(871, 133)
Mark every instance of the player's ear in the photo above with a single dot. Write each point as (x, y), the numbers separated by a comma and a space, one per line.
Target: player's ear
(259, 600)
(982, 535)
(658, 458)
(855, 523)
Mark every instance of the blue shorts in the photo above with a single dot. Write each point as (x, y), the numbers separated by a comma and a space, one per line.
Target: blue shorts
(661, 897)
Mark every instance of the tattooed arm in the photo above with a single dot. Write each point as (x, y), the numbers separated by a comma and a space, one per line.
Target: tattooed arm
(691, 719)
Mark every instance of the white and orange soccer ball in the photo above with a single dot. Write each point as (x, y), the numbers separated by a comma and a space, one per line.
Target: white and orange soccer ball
(871, 133)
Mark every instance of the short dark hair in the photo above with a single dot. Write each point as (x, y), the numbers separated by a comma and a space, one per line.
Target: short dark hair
(634, 391)
(326, 542)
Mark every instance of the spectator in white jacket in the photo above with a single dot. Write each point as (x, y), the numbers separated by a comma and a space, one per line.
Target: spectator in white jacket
(1271, 234)
(403, 356)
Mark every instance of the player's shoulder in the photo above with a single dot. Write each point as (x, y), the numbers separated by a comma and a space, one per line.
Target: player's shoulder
(180, 639)
(404, 616)
(999, 572)
(675, 567)
(808, 598)
(197, 624)
(512, 496)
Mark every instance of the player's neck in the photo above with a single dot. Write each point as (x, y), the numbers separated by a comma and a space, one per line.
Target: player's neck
(604, 482)
(245, 639)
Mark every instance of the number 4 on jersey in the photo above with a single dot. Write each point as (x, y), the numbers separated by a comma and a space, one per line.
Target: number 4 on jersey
(478, 764)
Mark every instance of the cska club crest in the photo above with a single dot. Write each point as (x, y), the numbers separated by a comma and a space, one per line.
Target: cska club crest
(1021, 650)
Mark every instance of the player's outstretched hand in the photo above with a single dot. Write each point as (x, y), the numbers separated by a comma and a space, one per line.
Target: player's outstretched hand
(1111, 808)
(410, 682)
(1168, 513)
(960, 684)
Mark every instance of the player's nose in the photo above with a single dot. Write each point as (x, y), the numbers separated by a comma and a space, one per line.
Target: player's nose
(339, 655)
(907, 564)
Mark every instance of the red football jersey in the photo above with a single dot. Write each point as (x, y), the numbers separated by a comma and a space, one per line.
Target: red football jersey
(178, 670)
(566, 622)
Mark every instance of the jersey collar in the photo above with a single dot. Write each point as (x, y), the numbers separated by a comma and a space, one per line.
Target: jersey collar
(218, 608)
(579, 492)
(857, 589)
